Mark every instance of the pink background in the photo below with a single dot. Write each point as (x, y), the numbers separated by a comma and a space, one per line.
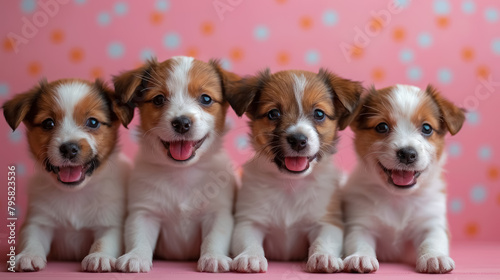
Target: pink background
(454, 45)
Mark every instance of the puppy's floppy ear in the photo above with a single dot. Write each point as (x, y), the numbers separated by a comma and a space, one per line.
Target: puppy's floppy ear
(17, 109)
(227, 78)
(346, 96)
(111, 100)
(451, 115)
(242, 93)
(128, 90)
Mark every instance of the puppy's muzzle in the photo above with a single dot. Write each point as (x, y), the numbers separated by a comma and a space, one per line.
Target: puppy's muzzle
(297, 141)
(69, 150)
(181, 124)
(407, 155)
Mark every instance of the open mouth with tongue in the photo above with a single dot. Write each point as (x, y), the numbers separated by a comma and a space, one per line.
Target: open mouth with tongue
(182, 150)
(73, 175)
(401, 178)
(297, 164)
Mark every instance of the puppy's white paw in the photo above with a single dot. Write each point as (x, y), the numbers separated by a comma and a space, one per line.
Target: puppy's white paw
(30, 262)
(431, 263)
(249, 263)
(214, 263)
(324, 263)
(98, 262)
(134, 262)
(361, 264)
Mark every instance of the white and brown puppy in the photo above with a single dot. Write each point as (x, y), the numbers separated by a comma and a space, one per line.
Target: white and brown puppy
(395, 199)
(181, 190)
(282, 210)
(76, 205)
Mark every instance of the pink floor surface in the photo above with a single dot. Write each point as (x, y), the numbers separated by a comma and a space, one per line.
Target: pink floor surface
(473, 261)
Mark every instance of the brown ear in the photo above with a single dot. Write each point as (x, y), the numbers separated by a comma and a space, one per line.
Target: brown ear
(452, 115)
(346, 96)
(242, 93)
(17, 109)
(227, 78)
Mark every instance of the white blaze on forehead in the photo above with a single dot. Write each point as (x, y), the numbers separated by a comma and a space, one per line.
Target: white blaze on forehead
(69, 94)
(299, 86)
(178, 78)
(404, 100)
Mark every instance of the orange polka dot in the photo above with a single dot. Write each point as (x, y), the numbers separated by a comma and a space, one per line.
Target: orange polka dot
(236, 54)
(471, 229)
(378, 74)
(76, 55)
(283, 58)
(306, 22)
(483, 71)
(493, 173)
(443, 22)
(8, 44)
(376, 24)
(34, 68)
(156, 18)
(57, 36)
(356, 51)
(467, 54)
(207, 28)
(281, 1)
(96, 72)
(398, 34)
(192, 52)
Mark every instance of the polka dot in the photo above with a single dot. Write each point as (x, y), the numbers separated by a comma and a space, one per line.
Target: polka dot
(357, 52)
(236, 54)
(482, 71)
(135, 134)
(281, 1)
(478, 194)
(485, 153)
(378, 74)
(241, 142)
(283, 58)
(192, 52)
(398, 34)
(402, 3)
(156, 18)
(456, 205)
(441, 7)
(467, 54)
(103, 18)
(424, 40)
(306, 22)
(493, 173)
(226, 64)
(473, 118)
(15, 136)
(445, 76)
(442, 21)
(28, 6)
(80, 2)
(162, 5)
(491, 14)
(76, 55)
(20, 169)
(468, 7)
(34, 68)
(146, 54)
(406, 55)
(312, 57)
(121, 8)
(495, 46)
(4, 89)
(414, 73)
(57, 36)
(96, 72)
(330, 18)
(8, 44)
(471, 229)
(376, 24)
(261, 33)
(116, 50)
(172, 41)
(207, 28)
(455, 149)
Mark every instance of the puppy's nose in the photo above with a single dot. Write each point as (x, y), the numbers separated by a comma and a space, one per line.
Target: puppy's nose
(181, 124)
(407, 155)
(297, 141)
(69, 150)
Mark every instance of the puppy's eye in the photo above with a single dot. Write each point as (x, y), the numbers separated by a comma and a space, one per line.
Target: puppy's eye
(93, 123)
(48, 124)
(319, 115)
(427, 129)
(159, 100)
(274, 114)
(205, 99)
(382, 128)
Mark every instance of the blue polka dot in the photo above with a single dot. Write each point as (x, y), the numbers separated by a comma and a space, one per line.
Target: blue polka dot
(15, 136)
(456, 205)
(28, 6)
(226, 64)
(455, 149)
(441, 7)
(116, 50)
(402, 3)
(146, 54)
(495, 46)
(485, 153)
(80, 2)
(491, 14)
(162, 5)
(261, 33)
(330, 18)
(478, 194)
(468, 7)
(241, 142)
(406, 55)
(312, 57)
(473, 117)
(135, 134)
(445, 76)
(103, 18)
(424, 40)
(4, 89)
(171, 41)
(20, 169)
(414, 73)
(121, 8)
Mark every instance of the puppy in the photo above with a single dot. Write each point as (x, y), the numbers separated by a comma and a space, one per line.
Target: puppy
(181, 190)
(283, 211)
(77, 197)
(395, 199)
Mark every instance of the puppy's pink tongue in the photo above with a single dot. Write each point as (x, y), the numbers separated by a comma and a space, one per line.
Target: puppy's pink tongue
(181, 150)
(70, 174)
(403, 177)
(296, 163)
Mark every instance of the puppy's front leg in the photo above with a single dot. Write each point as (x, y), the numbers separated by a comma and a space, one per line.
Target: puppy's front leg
(433, 252)
(360, 247)
(325, 249)
(106, 248)
(247, 247)
(216, 234)
(141, 234)
(35, 246)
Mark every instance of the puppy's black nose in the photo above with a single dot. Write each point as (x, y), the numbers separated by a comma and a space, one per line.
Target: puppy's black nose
(407, 155)
(181, 124)
(69, 150)
(297, 141)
